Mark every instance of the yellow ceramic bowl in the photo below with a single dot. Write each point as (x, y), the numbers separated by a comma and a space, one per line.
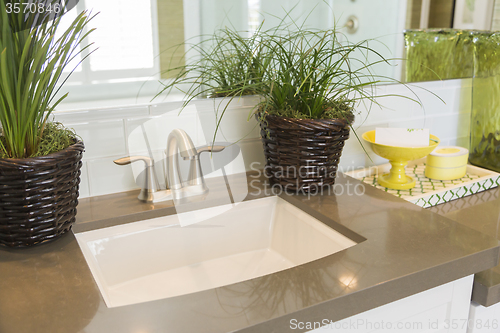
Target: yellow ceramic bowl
(446, 163)
(399, 158)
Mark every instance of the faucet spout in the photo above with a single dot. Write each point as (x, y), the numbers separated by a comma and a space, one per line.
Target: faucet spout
(182, 140)
(178, 141)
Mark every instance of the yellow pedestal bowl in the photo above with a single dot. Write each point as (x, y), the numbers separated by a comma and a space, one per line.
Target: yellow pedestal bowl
(399, 157)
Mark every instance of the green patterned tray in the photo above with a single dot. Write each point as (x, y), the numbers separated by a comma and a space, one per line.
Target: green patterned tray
(429, 192)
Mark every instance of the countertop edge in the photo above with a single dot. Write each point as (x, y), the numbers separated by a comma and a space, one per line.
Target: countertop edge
(371, 298)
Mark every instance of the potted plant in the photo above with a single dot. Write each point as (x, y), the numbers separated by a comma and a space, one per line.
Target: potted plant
(310, 84)
(39, 160)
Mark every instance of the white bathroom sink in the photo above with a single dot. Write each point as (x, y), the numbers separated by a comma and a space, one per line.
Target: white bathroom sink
(180, 254)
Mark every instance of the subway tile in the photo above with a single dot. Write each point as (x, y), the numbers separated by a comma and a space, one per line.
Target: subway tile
(390, 108)
(463, 141)
(451, 126)
(445, 142)
(458, 100)
(102, 138)
(419, 122)
(159, 109)
(84, 190)
(453, 83)
(353, 145)
(253, 151)
(436, 84)
(236, 158)
(80, 116)
(105, 177)
(106, 138)
(151, 133)
(160, 164)
(351, 162)
(431, 104)
(234, 125)
(399, 97)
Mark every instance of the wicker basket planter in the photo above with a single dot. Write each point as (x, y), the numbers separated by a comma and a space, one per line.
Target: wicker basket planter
(38, 196)
(302, 155)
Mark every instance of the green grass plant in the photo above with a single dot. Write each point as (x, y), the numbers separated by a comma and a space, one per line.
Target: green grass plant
(227, 64)
(298, 72)
(316, 76)
(32, 60)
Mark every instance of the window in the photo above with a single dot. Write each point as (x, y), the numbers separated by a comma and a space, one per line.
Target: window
(126, 46)
(135, 38)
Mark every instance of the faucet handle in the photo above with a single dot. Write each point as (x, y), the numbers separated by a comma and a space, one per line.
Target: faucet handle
(210, 148)
(130, 159)
(151, 184)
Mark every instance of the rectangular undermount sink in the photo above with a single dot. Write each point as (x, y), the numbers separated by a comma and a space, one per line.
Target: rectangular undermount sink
(181, 254)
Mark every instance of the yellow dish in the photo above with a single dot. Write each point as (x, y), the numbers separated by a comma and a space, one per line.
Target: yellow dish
(399, 157)
(447, 163)
(445, 173)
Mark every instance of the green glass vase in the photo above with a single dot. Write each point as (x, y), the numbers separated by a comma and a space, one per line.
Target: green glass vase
(438, 54)
(485, 117)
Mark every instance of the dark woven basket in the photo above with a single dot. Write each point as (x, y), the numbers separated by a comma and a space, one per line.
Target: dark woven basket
(302, 155)
(38, 196)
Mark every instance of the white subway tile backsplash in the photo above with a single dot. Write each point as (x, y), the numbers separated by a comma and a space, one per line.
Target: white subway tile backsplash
(233, 127)
(102, 138)
(354, 145)
(81, 116)
(350, 162)
(84, 190)
(107, 177)
(252, 151)
(151, 133)
(372, 113)
(160, 166)
(451, 126)
(116, 132)
(420, 122)
(454, 97)
(430, 104)
(463, 141)
(434, 85)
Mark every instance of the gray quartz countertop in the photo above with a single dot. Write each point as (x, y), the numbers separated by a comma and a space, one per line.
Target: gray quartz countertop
(481, 212)
(402, 250)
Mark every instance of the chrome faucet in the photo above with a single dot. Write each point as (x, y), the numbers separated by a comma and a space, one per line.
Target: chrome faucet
(178, 142)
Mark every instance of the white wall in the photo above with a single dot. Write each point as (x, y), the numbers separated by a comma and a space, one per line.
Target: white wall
(111, 133)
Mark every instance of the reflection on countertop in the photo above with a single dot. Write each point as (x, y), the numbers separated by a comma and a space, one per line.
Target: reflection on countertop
(402, 250)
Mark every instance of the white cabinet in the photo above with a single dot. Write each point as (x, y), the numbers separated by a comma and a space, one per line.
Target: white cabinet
(484, 319)
(441, 309)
